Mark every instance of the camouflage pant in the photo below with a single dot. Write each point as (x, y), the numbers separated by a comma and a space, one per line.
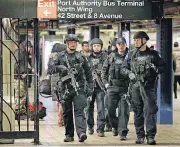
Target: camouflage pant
(20, 96)
(60, 115)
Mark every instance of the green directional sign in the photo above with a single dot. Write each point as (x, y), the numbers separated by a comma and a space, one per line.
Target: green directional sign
(104, 9)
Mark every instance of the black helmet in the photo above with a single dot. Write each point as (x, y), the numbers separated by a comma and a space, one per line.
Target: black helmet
(97, 41)
(28, 44)
(121, 40)
(141, 34)
(57, 47)
(113, 43)
(71, 37)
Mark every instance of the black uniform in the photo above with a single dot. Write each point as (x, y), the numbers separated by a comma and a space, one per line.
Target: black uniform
(68, 93)
(147, 65)
(108, 125)
(54, 77)
(118, 87)
(98, 95)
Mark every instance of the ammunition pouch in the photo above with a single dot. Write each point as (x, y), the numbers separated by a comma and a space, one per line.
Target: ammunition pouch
(112, 72)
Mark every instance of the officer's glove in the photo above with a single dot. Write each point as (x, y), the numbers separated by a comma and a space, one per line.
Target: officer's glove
(132, 76)
(153, 67)
(106, 85)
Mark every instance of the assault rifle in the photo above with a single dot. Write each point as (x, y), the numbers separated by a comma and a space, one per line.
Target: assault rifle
(140, 81)
(98, 80)
(71, 75)
(144, 96)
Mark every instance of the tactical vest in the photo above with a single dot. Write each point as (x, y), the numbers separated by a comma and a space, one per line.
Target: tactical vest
(141, 63)
(97, 62)
(75, 61)
(115, 77)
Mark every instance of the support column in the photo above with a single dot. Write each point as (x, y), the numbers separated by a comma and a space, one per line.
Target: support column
(1, 75)
(164, 92)
(124, 31)
(71, 31)
(36, 77)
(94, 32)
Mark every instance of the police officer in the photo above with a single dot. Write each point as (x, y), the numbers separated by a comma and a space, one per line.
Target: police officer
(85, 49)
(142, 66)
(112, 47)
(96, 60)
(117, 87)
(57, 47)
(72, 90)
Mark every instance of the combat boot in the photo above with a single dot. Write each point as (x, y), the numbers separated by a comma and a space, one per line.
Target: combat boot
(91, 131)
(123, 138)
(101, 134)
(115, 132)
(108, 129)
(82, 137)
(175, 96)
(140, 140)
(68, 139)
(151, 141)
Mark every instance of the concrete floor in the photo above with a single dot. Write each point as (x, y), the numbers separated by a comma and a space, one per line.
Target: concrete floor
(52, 135)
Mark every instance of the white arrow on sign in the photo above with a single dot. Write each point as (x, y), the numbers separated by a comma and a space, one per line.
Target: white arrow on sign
(46, 13)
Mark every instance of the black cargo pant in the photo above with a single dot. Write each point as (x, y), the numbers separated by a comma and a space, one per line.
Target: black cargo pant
(98, 95)
(108, 125)
(145, 110)
(116, 100)
(79, 103)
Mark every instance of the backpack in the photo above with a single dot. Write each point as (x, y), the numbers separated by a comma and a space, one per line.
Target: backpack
(41, 109)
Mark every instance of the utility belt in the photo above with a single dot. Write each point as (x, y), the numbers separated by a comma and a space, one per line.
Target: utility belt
(68, 90)
(69, 86)
(96, 85)
(119, 82)
(148, 83)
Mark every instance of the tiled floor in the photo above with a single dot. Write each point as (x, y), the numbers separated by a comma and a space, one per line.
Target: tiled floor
(52, 135)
